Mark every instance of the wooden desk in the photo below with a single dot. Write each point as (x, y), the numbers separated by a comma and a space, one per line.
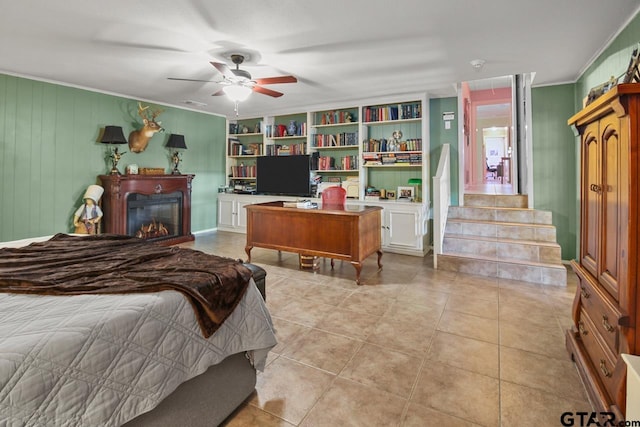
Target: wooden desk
(351, 233)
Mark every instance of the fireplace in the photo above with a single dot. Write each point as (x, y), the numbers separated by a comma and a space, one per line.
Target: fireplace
(150, 207)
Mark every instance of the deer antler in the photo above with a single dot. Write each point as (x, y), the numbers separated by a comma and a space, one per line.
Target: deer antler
(156, 113)
(141, 110)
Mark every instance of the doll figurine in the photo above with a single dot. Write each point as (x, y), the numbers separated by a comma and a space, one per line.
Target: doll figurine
(87, 218)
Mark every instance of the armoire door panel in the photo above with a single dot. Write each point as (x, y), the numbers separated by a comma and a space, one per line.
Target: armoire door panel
(610, 234)
(589, 245)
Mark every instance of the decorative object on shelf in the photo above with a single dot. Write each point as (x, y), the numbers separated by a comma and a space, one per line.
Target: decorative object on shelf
(397, 135)
(417, 183)
(256, 128)
(138, 139)
(391, 194)
(292, 128)
(86, 219)
(282, 130)
(600, 90)
(132, 169)
(233, 128)
(406, 194)
(245, 129)
(176, 142)
(113, 135)
(632, 74)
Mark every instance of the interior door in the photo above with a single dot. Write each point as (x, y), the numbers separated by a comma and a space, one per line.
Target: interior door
(591, 196)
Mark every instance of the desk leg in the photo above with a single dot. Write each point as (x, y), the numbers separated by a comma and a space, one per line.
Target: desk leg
(247, 249)
(379, 259)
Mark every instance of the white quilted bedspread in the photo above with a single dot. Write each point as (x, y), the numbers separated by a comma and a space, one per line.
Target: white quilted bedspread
(100, 360)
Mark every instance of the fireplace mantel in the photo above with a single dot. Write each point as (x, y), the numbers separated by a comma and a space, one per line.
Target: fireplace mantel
(117, 188)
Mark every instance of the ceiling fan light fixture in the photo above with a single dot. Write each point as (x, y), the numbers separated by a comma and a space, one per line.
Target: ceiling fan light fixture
(237, 93)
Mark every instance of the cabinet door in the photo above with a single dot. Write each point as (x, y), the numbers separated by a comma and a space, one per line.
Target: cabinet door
(242, 213)
(403, 229)
(590, 230)
(226, 212)
(608, 267)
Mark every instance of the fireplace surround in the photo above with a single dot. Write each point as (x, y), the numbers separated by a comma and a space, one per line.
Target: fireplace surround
(152, 207)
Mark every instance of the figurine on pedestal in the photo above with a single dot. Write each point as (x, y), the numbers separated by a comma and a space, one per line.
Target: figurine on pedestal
(86, 219)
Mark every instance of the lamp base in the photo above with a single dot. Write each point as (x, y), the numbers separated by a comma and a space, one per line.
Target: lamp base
(176, 172)
(115, 171)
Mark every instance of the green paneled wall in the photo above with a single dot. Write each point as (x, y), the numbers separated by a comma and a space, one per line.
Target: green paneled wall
(439, 136)
(49, 153)
(554, 161)
(612, 62)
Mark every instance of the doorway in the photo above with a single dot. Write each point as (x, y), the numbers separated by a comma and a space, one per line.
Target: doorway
(488, 138)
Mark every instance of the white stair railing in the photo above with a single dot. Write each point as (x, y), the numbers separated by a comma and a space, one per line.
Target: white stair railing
(441, 201)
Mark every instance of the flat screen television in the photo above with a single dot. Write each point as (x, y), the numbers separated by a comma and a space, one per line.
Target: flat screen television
(283, 175)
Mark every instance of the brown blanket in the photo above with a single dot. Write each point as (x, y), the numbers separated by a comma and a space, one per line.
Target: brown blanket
(114, 264)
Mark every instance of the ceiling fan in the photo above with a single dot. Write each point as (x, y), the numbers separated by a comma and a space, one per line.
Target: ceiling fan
(237, 78)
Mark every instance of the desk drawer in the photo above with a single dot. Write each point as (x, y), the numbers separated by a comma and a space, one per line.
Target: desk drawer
(603, 360)
(604, 314)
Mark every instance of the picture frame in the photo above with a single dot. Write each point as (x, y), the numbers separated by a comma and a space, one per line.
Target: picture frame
(406, 193)
(391, 194)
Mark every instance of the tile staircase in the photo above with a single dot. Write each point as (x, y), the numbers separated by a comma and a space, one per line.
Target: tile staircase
(498, 236)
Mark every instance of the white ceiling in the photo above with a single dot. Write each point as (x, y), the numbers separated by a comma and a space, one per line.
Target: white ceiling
(338, 50)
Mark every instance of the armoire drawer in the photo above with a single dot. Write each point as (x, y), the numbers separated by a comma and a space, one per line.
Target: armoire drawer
(603, 313)
(604, 361)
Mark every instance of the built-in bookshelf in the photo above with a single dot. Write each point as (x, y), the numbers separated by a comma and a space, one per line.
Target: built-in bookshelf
(286, 135)
(392, 144)
(378, 145)
(245, 142)
(334, 143)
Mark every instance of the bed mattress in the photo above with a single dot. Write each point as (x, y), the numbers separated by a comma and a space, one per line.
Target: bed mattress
(101, 360)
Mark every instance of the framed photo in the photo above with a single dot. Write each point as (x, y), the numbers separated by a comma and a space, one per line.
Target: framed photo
(406, 193)
(391, 194)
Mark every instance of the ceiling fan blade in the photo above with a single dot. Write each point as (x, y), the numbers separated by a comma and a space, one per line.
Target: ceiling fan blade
(192, 80)
(218, 93)
(275, 80)
(265, 91)
(223, 68)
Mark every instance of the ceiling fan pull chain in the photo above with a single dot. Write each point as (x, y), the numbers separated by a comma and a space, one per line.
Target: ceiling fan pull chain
(236, 108)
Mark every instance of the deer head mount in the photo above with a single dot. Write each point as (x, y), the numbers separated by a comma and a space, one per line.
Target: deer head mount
(138, 139)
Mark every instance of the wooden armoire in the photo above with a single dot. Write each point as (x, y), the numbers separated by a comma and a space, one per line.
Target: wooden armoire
(605, 321)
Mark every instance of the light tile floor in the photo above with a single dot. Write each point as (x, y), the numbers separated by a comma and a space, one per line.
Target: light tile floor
(412, 346)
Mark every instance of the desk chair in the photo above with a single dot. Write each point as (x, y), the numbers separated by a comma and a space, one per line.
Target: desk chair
(493, 169)
(334, 197)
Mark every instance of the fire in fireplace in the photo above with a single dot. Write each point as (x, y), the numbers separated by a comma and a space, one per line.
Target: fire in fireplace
(154, 216)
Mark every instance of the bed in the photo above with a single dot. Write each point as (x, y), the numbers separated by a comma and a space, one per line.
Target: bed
(140, 358)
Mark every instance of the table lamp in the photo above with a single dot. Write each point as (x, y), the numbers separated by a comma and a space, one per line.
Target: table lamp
(175, 143)
(113, 135)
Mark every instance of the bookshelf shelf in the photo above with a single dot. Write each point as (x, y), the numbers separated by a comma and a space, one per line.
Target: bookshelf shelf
(386, 122)
(333, 125)
(336, 170)
(243, 135)
(284, 138)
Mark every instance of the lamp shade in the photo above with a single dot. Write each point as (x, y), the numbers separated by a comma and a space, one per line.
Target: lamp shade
(176, 141)
(113, 135)
(237, 93)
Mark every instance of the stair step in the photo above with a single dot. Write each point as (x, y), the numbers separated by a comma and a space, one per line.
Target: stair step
(499, 214)
(496, 200)
(528, 250)
(506, 230)
(504, 268)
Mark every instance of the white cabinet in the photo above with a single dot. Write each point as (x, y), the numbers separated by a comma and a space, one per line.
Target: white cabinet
(404, 224)
(232, 216)
(404, 227)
